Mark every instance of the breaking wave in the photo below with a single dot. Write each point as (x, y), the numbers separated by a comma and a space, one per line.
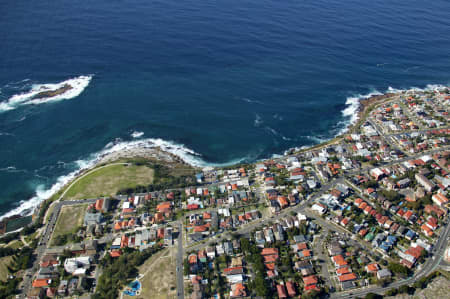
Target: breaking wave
(26, 207)
(350, 113)
(429, 87)
(137, 134)
(352, 103)
(77, 84)
(189, 156)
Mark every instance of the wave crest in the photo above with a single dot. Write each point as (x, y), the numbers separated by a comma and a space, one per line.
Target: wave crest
(352, 103)
(137, 134)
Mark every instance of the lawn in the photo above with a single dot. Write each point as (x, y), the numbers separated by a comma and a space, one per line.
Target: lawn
(4, 262)
(15, 244)
(110, 179)
(69, 219)
(159, 279)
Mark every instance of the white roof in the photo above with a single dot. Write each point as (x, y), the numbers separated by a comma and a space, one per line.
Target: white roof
(426, 158)
(116, 242)
(377, 171)
(79, 271)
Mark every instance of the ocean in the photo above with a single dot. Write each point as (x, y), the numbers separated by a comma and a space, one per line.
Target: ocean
(215, 82)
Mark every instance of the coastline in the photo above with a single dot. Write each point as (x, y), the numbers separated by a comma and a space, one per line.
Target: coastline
(169, 152)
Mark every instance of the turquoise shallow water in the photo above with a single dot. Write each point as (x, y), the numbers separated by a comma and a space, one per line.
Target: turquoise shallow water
(229, 80)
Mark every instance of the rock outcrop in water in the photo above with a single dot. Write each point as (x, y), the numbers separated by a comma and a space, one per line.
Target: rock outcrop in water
(52, 93)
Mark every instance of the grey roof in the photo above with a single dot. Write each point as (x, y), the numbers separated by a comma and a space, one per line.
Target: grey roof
(384, 273)
(92, 218)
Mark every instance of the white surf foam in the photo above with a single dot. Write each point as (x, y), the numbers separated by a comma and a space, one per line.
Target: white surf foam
(427, 88)
(187, 155)
(12, 169)
(277, 134)
(353, 102)
(78, 84)
(26, 207)
(252, 101)
(137, 134)
(258, 120)
(272, 131)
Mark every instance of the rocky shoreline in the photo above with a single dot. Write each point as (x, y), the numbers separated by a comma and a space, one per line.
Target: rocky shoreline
(158, 154)
(155, 153)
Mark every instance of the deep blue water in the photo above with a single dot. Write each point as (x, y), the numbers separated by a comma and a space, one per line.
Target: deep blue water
(229, 79)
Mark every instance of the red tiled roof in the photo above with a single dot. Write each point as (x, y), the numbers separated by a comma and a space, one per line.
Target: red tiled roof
(309, 280)
(281, 290)
(347, 277)
(115, 253)
(339, 260)
(39, 283)
(290, 289)
(343, 270)
(268, 251)
(311, 288)
(372, 267)
(414, 251)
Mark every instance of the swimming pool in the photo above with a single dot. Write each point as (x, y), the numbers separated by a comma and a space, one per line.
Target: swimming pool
(133, 288)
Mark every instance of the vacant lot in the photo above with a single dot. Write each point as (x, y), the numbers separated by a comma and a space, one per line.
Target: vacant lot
(108, 180)
(159, 281)
(438, 288)
(69, 219)
(4, 262)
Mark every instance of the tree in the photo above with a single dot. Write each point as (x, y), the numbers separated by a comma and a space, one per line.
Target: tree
(398, 269)
(245, 245)
(373, 296)
(392, 292)
(118, 271)
(260, 286)
(186, 267)
(406, 289)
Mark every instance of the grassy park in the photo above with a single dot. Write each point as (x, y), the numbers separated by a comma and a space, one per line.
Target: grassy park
(108, 180)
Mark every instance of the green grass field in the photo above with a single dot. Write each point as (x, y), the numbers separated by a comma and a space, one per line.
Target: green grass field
(4, 262)
(69, 219)
(15, 244)
(108, 180)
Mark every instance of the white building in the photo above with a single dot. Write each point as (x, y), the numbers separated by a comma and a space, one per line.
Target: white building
(319, 208)
(73, 264)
